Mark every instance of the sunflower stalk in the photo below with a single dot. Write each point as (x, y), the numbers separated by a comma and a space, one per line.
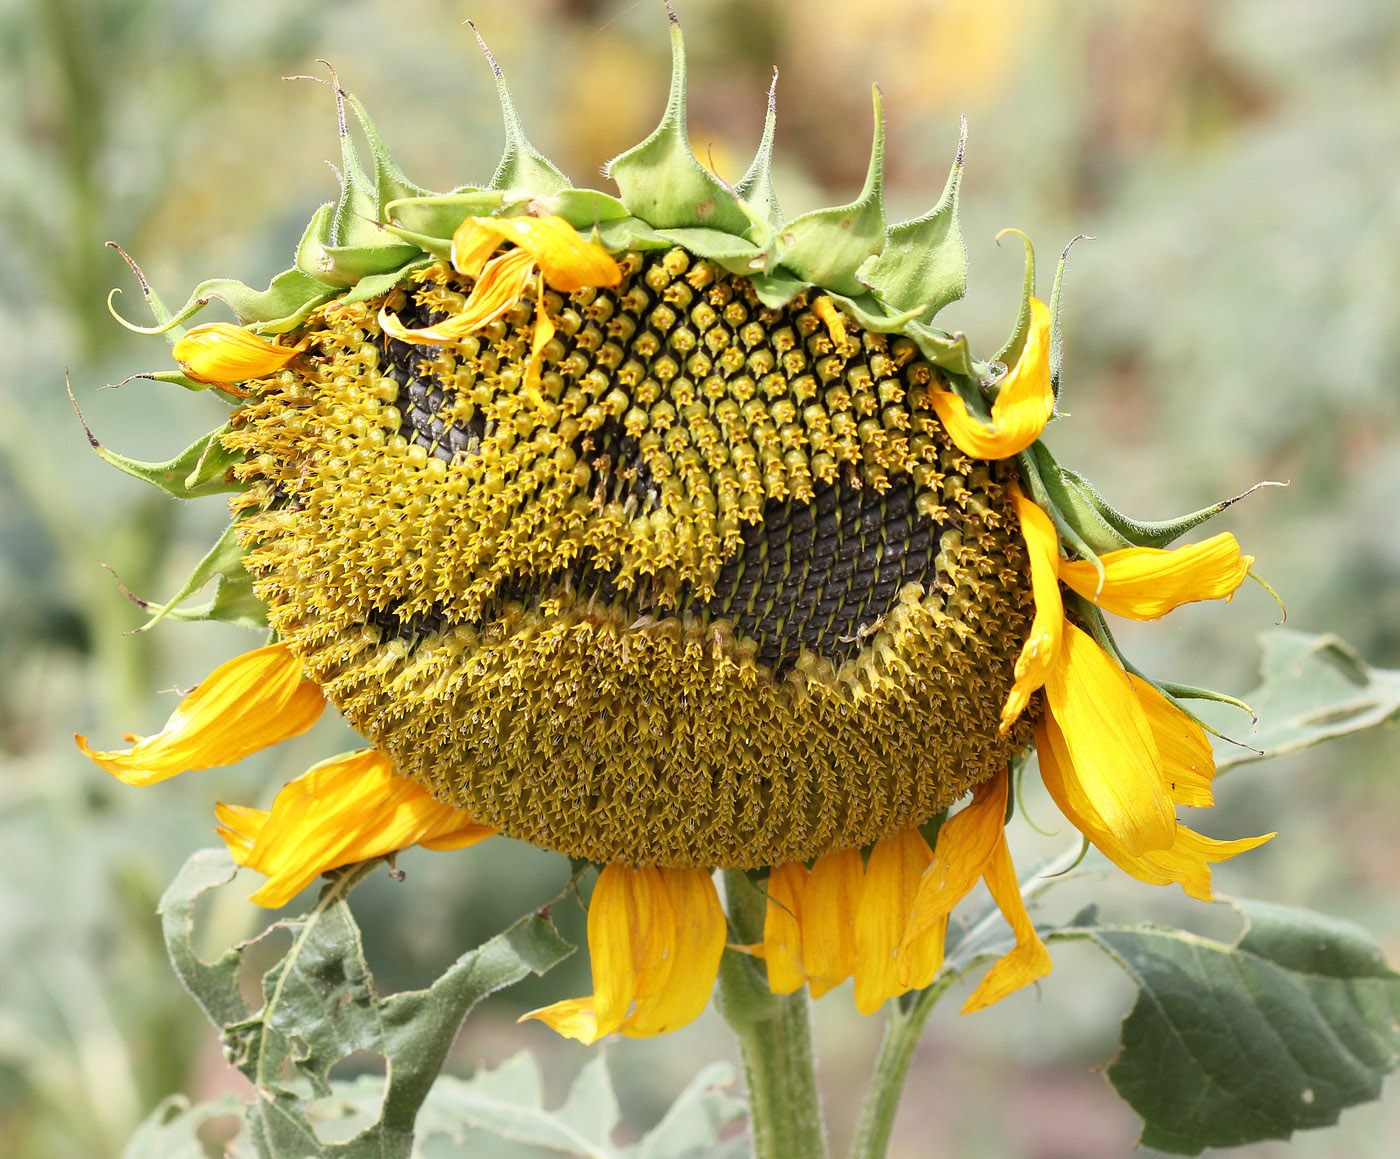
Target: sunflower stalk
(775, 1040)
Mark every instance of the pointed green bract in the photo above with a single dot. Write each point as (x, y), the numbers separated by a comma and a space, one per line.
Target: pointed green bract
(1009, 353)
(663, 182)
(755, 187)
(923, 264)
(233, 601)
(522, 166)
(203, 468)
(827, 246)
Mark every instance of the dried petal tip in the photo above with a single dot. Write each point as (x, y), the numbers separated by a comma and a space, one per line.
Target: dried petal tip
(220, 352)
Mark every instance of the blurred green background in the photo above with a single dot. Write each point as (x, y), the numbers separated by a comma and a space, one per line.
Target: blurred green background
(1237, 319)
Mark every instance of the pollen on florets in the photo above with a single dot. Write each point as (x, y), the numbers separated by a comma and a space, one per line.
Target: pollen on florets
(720, 592)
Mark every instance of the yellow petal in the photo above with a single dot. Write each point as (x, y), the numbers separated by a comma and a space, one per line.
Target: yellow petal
(1143, 583)
(1042, 646)
(829, 905)
(568, 260)
(249, 703)
(966, 844)
(220, 352)
(1188, 860)
(347, 809)
(1188, 765)
(782, 928)
(473, 242)
(886, 898)
(677, 970)
(502, 283)
(573, 1018)
(1025, 400)
(1030, 959)
(1113, 755)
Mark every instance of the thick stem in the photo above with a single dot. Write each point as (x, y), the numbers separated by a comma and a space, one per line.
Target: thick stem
(775, 1040)
(872, 1138)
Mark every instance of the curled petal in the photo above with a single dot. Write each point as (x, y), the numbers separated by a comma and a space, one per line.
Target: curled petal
(1042, 646)
(1143, 583)
(1113, 754)
(829, 905)
(655, 937)
(568, 260)
(886, 898)
(1029, 960)
(1188, 765)
(502, 283)
(347, 809)
(246, 704)
(220, 352)
(1024, 403)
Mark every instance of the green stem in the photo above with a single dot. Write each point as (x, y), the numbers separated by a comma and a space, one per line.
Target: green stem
(775, 1040)
(872, 1137)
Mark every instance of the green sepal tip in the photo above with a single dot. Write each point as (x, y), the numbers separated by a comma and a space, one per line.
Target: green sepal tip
(523, 169)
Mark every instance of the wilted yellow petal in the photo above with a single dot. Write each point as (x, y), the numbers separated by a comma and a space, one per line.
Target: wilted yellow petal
(782, 928)
(966, 843)
(568, 260)
(886, 898)
(1188, 765)
(502, 283)
(347, 809)
(473, 242)
(1042, 646)
(676, 972)
(829, 905)
(1188, 860)
(1113, 755)
(1030, 959)
(220, 352)
(1143, 583)
(573, 1018)
(249, 703)
(1024, 402)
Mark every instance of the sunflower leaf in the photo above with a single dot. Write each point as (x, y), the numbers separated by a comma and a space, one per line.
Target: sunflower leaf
(1314, 688)
(171, 1131)
(1235, 1043)
(321, 1004)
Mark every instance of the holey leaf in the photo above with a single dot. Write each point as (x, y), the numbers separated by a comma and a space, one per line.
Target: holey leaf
(1230, 1044)
(320, 1004)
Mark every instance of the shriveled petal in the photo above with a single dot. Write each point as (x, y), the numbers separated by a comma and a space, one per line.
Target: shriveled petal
(886, 898)
(1030, 959)
(568, 260)
(1113, 755)
(782, 928)
(1188, 765)
(1042, 646)
(1188, 860)
(965, 847)
(829, 906)
(1025, 400)
(677, 974)
(502, 283)
(1143, 583)
(473, 243)
(220, 352)
(347, 809)
(246, 704)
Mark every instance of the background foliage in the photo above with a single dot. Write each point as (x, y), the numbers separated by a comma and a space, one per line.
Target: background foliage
(1235, 320)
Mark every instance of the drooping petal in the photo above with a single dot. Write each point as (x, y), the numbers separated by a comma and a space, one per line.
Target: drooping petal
(1030, 959)
(782, 928)
(655, 937)
(1143, 583)
(1188, 765)
(886, 898)
(1042, 646)
(675, 980)
(473, 243)
(220, 352)
(1024, 402)
(965, 847)
(568, 260)
(502, 283)
(1187, 862)
(1113, 754)
(248, 703)
(829, 905)
(350, 808)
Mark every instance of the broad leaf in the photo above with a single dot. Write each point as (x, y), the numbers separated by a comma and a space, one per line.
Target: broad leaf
(171, 1130)
(1230, 1044)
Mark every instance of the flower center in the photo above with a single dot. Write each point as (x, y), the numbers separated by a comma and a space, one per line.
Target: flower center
(718, 590)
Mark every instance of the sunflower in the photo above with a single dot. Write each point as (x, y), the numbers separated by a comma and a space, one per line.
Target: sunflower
(670, 535)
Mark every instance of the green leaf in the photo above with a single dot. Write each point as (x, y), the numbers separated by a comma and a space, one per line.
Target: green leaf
(827, 246)
(1231, 1044)
(1314, 688)
(694, 1126)
(320, 1004)
(171, 1130)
